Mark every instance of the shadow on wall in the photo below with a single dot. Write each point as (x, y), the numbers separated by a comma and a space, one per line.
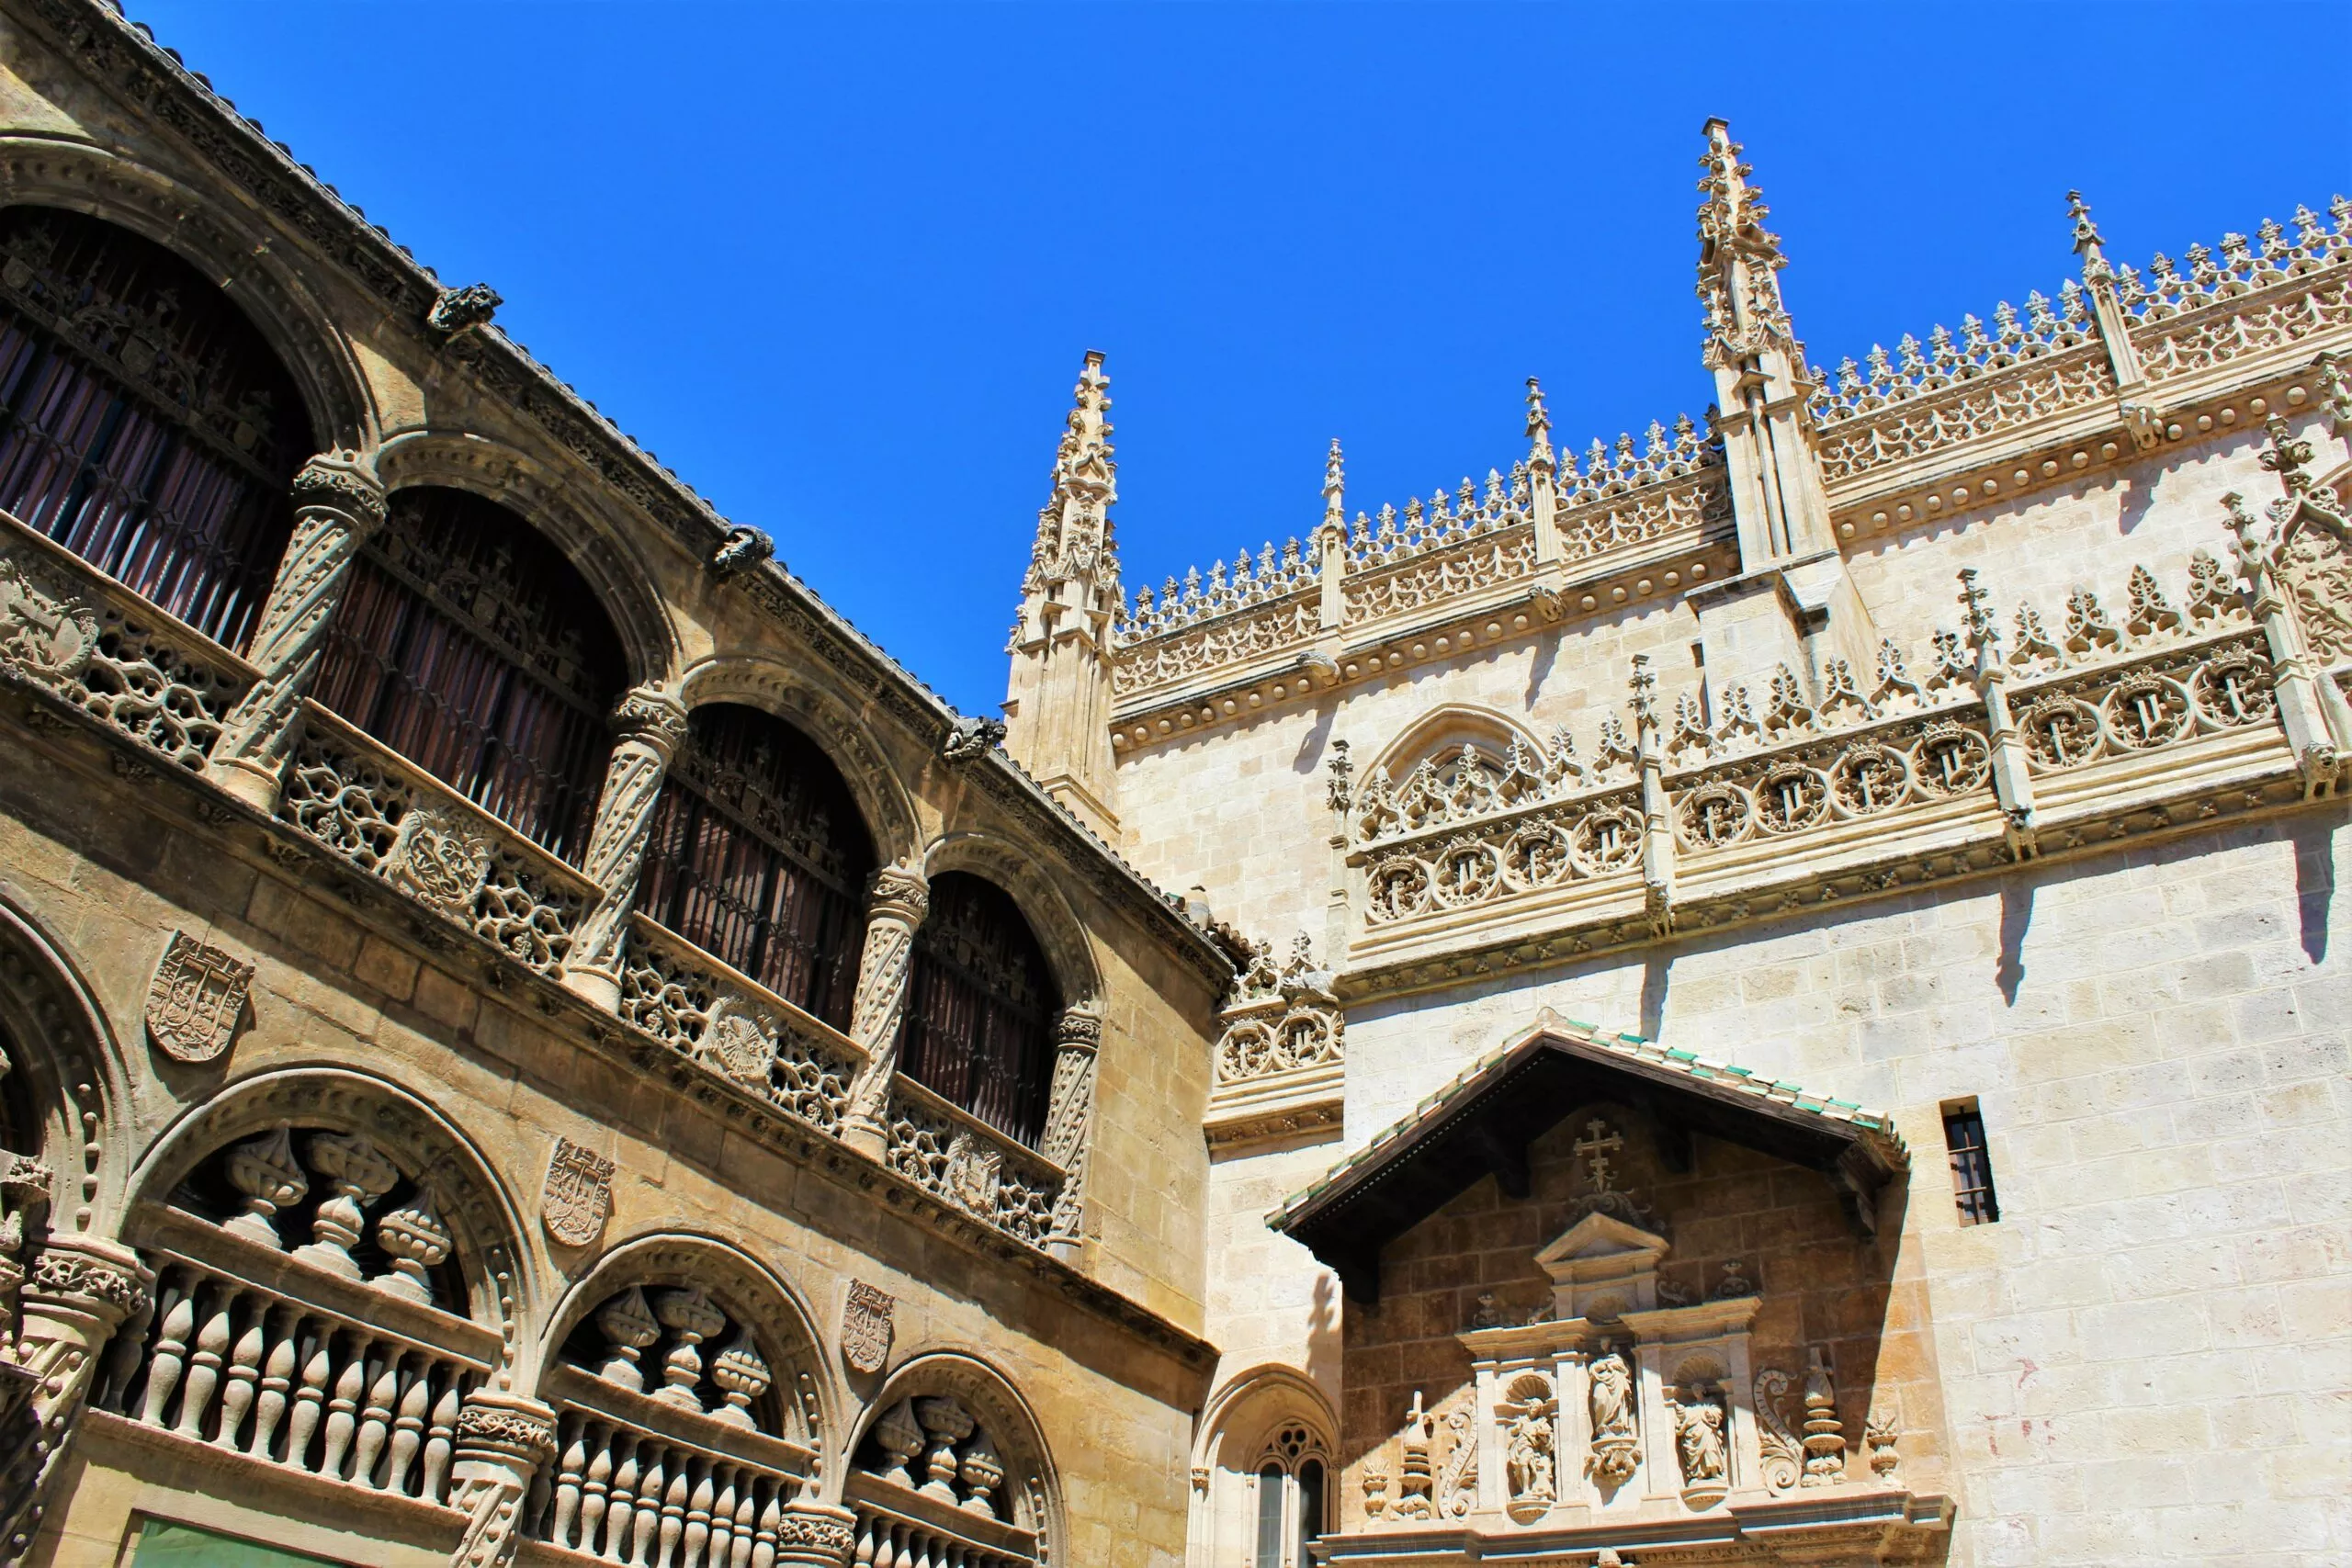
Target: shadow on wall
(2315, 842)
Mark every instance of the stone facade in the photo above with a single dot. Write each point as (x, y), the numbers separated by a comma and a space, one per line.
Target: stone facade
(387, 1176)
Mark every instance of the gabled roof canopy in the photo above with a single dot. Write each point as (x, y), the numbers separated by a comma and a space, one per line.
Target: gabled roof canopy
(1483, 1121)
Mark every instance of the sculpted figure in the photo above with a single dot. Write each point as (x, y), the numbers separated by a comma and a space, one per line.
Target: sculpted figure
(1532, 1479)
(1699, 1437)
(1613, 1397)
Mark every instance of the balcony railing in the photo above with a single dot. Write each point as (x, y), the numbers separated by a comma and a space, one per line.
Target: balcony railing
(948, 1151)
(901, 1525)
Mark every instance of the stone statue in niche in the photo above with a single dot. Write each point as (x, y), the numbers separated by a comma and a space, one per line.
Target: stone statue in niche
(1616, 1449)
(1699, 1446)
(1528, 1465)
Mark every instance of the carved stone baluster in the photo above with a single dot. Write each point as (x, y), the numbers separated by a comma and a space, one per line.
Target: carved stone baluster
(593, 1483)
(722, 1515)
(771, 1527)
(647, 1523)
(77, 1292)
(338, 502)
(310, 1400)
(1070, 1119)
(628, 1326)
(170, 1357)
(896, 903)
(502, 1442)
(441, 1437)
(360, 1175)
(864, 1556)
(624, 1499)
(408, 1427)
(697, 1532)
(688, 1314)
(747, 1524)
(276, 1380)
(343, 1408)
(266, 1175)
(244, 1373)
(203, 1377)
(376, 1419)
(570, 1478)
(649, 725)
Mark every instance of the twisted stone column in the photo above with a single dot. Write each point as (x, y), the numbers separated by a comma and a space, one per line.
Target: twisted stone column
(501, 1442)
(649, 725)
(338, 504)
(1070, 1122)
(77, 1292)
(897, 901)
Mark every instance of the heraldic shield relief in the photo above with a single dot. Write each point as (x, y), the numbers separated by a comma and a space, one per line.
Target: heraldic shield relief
(196, 999)
(866, 1327)
(578, 1196)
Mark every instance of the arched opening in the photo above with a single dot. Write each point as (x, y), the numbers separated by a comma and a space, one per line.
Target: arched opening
(980, 1007)
(144, 422)
(1265, 1452)
(759, 856)
(467, 643)
(951, 1468)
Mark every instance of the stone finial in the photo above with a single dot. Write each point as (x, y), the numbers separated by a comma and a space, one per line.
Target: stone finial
(1335, 487)
(1540, 455)
(2088, 244)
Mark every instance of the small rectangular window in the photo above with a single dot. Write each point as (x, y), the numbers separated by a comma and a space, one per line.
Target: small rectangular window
(1972, 1164)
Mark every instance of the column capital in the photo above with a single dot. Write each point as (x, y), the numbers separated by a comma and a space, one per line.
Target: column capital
(101, 1280)
(1080, 1028)
(345, 481)
(653, 715)
(815, 1534)
(899, 891)
(504, 1428)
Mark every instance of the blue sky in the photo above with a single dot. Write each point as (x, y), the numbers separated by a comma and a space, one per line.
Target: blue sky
(837, 264)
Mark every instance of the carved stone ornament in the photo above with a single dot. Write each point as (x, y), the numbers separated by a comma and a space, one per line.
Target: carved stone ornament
(196, 999)
(577, 1198)
(439, 860)
(462, 309)
(742, 548)
(741, 1043)
(866, 1327)
(973, 736)
(45, 631)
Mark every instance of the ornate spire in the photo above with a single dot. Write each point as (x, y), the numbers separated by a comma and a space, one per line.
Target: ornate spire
(1074, 534)
(2088, 244)
(1738, 256)
(1539, 432)
(1335, 489)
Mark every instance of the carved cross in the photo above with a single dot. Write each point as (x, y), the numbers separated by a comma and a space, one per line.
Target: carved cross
(1596, 1147)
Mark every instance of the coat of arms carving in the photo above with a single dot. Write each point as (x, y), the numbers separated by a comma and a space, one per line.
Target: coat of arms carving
(196, 999)
(439, 858)
(975, 1170)
(578, 1196)
(741, 1043)
(866, 1327)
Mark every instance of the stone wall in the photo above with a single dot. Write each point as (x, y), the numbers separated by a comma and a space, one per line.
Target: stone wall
(2145, 1357)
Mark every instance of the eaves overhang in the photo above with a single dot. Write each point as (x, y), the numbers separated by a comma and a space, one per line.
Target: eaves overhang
(1481, 1123)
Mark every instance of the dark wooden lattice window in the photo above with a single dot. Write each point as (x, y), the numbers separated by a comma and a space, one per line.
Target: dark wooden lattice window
(980, 1008)
(1972, 1165)
(759, 856)
(467, 643)
(144, 423)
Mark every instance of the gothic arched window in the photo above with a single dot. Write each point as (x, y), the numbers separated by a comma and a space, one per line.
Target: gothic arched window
(759, 857)
(1290, 1505)
(144, 423)
(980, 1007)
(467, 643)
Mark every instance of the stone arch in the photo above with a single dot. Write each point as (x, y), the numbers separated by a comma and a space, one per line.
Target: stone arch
(751, 1295)
(616, 570)
(1031, 1481)
(1238, 1418)
(238, 251)
(1447, 728)
(472, 1199)
(1068, 945)
(67, 1085)
(837, 727)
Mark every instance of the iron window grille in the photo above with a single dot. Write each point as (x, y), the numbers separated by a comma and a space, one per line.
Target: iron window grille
(145, 424)
(758, 856)
(980, 1008)
(1971, 1166)
(467, 643)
